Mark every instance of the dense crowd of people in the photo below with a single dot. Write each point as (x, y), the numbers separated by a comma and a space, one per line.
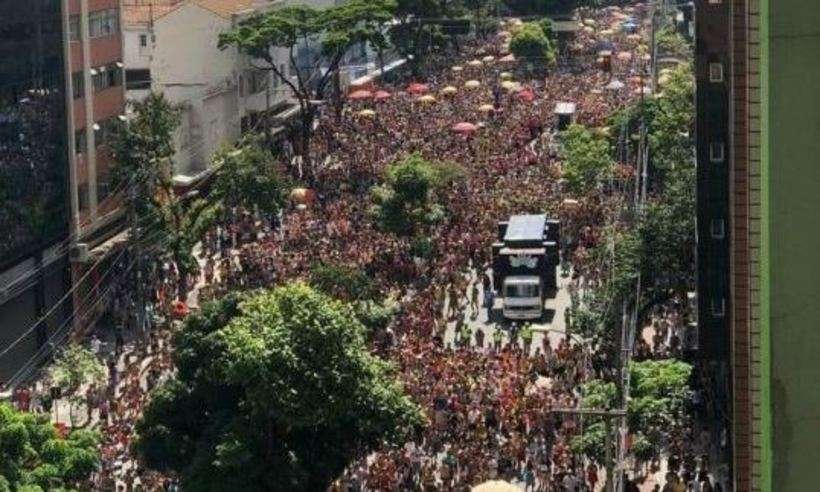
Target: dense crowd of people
(488, 400)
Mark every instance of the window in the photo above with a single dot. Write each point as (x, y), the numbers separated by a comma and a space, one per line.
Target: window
(256, 81)
(715, 72)
(137, 79)
(718, 229)
(143, 40)
(74, 33)
(716, 152)
(78, 84)
(103, 23)
(79, 141)
(718, 307)
(104, 131)
(104, 77)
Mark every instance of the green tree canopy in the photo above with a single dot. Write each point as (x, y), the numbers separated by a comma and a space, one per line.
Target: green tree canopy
(169, 226)
(247, 176)
(332, 31)
(275, 391)
(586, 159)
(530, 44)
(75, 367)
(411, 197)
(33, 455)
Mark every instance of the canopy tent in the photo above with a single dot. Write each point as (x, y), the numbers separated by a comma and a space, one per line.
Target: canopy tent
(472, 84)
(428, 99)
(486, 108)
(457, 68)
(589, 22)
(488, 59)
(360, 95)
(624, 56)
(475, 63)
(508, 58)
(449, 90)
(634, 37)
(367, 113)
(607, 32)
(416, 88)
(464, 128)
(505, 75)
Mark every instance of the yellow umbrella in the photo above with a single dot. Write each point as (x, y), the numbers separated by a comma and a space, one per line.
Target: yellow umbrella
(428, 99)
(449, 90)
(472, 84)
(367, 113)
(486, 108)
(505, 76)
(488, 59)
(510, 85)
(475, 63)
(457, 68)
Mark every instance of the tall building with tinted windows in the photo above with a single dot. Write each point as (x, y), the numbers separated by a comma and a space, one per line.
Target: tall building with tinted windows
(34, 180)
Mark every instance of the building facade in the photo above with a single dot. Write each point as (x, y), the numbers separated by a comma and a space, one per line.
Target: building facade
(728, 208)
(95, 81)
(34, 173)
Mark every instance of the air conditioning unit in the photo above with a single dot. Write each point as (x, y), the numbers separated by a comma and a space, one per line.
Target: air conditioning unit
(79, 253)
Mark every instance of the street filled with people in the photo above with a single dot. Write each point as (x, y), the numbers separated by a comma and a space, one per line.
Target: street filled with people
(488, 400)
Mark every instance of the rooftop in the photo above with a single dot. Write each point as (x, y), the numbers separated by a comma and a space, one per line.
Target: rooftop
(143, 12)
(526, 228)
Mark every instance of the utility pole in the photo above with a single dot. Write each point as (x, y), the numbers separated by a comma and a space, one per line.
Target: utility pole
(629, 321)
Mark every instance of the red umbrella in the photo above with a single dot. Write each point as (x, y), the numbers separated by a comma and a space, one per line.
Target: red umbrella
(464, 128)
(360, 94)
(526, 95)
(417, 88)
(382, 95)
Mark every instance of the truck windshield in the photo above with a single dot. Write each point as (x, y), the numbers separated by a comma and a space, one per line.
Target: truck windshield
(521, 290)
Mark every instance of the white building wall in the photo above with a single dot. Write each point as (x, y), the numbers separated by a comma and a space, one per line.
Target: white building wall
(190, 70)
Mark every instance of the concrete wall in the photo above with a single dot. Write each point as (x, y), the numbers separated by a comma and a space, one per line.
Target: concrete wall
(793, 262)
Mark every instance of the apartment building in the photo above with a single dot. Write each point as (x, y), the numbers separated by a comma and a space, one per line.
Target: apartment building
(95, 83)
(171, 47)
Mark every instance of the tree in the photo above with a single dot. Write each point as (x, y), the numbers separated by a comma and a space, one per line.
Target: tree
(304, 28)
(410, 199)
(275, 391)
(656, 411)
(546, 27)
(168, 225)
(247, 176)
(586, 159)
(34, 457)
(541, 7)
(73, 368)
(530, 44)
(343, 282)
(659, 393)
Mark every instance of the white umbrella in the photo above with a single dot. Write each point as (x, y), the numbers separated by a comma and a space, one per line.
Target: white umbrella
(495, 486)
